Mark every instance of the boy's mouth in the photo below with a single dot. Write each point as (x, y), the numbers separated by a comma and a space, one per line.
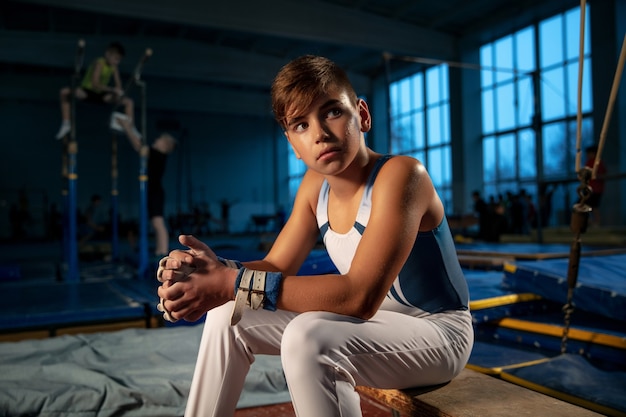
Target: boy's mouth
(328, 152)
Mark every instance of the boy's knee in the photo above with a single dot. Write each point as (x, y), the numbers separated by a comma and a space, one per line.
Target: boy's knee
(305, 330)
(220, 316)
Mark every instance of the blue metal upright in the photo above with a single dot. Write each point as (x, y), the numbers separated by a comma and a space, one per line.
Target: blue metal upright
(70, 233)
(73, 273)
(143, 265)
(142, 270)
(115, 251)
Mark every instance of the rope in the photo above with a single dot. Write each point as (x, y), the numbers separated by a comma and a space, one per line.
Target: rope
(609, 108)
(581, 60)
(580, 210)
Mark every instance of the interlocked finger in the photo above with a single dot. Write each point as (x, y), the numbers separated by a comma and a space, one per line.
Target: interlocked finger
(166, 313)
(178, 274)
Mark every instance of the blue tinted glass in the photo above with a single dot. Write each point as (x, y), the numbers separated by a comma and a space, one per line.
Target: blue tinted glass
(551, 41)
(445, 123)
(587, 91)
(418, 130)
(506, 156)
(446, 161)
(572, 33)
(433, 84)
(419, 155)
(402, 134)
(445, 93)
(394, 98)
(434, 126)
(434, 166)
(486, 75)
(506, 107)
(587, 132)
(525, 101)
(294, 183)
(570, 162)
(526, 154)
(552, 94)
(504, 58)
(487, 112)
(296, 166)
(418, 90)
(572, 88)
(507, 187)
(490, 191)
(572, 83)
(554, 150)
(525, 50)
(405, 95)
(489, 159)
(397, 134)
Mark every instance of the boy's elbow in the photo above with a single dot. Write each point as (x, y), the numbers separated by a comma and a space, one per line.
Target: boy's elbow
(364, 308)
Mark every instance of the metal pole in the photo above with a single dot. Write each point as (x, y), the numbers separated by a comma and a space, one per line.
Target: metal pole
(70, 234)
(142, 269)
(114, 200)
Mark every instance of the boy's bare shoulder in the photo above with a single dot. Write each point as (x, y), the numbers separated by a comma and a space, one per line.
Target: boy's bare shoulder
(403, 165)
(311, 183)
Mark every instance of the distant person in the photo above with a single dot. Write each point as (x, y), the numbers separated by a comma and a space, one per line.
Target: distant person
(162, 146)
(96, 87)
(481, 209)
(596, 184)
(545, 204)
(498, 224)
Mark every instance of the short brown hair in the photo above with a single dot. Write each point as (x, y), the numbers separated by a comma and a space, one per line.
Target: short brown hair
(302, 81)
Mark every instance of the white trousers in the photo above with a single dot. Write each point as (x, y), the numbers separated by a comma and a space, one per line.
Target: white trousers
(324, 355)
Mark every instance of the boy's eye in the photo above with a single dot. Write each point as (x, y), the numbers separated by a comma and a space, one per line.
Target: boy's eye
(333, 113)
(300, 127)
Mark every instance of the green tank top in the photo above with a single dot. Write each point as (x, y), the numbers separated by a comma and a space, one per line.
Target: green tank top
(105, 75)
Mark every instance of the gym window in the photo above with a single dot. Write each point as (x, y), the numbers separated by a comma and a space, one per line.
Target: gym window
(522, 149)
(420, 124)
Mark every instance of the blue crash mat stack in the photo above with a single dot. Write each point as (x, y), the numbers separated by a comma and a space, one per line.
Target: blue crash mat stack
(519, 325)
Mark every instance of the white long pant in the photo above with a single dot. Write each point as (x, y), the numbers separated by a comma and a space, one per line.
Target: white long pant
(324, 355)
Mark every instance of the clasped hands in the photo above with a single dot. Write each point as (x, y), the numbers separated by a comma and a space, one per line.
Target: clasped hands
(193, 281)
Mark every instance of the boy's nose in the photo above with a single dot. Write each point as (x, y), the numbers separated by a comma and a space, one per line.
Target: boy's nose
(321, 133)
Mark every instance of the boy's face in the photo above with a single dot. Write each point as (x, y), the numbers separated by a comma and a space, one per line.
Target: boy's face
(112, 57)
(328, 134)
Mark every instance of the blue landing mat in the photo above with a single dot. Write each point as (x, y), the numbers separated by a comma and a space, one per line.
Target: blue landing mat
(491, 300)
(101, 297)
(52, 304)
(574, 379)
(600, 289)
(569, 377)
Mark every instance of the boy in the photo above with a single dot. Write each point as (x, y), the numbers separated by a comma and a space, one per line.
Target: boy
(395, 316)
(95, 87)
(157, 157)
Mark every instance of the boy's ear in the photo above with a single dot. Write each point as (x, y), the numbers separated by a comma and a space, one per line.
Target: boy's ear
(292, 147)
(366, 117)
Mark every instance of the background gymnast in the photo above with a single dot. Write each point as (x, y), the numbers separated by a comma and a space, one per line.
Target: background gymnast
(95, 87)
(395, 316)
(161, 147)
